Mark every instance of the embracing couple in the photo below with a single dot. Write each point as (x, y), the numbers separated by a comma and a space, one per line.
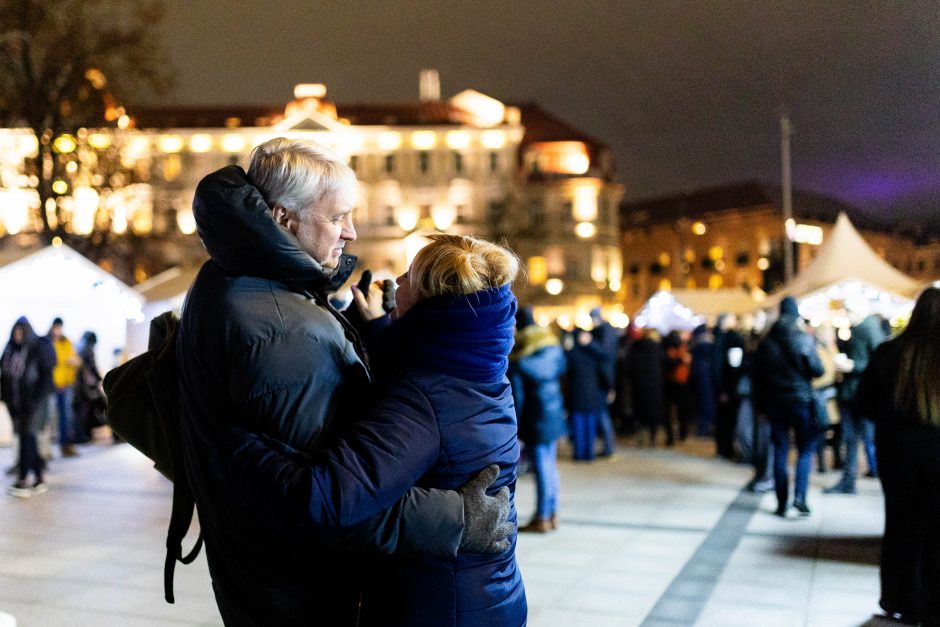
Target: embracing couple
(337, 486)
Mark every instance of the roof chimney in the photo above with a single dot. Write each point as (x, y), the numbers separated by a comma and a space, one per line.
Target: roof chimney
(430, 85)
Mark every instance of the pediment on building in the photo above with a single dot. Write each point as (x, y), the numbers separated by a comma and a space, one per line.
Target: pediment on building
(309, 119)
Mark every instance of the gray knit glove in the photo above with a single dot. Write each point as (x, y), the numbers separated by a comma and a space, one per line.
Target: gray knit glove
(485, 518)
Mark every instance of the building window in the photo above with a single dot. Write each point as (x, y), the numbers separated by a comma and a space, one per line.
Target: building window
(922, 265)
(494, 161)
(536, 214)
(389, 163)
(354, 163)
(567, 212)
(424, 162)
(494, 212)
(743, 259)
(458, 163)
(461, 217)
(389, 215)
(936, 264)
(634, 269)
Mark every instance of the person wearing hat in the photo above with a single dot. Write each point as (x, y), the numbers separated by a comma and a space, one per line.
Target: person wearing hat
(785, 364)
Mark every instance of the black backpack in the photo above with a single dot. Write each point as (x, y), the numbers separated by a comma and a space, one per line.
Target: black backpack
(144, 411)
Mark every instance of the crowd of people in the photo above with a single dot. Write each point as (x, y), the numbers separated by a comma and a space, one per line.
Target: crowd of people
(382, 443)
(45, 381)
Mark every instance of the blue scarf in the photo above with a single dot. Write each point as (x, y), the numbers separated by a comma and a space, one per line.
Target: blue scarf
(467, 336)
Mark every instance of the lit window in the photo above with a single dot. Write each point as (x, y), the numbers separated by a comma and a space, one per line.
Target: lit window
(699, 228)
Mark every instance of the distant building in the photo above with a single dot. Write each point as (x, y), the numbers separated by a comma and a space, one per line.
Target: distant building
(733, 236)
(469, 164)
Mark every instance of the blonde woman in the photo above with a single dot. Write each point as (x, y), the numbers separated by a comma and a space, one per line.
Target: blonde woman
(442, 411)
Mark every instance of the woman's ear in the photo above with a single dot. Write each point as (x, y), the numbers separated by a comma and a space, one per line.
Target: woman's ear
(284, 218)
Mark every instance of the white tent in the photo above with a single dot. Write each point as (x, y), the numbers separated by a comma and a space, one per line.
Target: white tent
(845, 271)
(687, 308)
(56, 281)
(162, 292)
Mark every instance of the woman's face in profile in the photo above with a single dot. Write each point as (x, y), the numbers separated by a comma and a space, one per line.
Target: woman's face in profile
(404, 296)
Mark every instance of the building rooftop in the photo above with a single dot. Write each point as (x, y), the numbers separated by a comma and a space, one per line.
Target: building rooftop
(806, 206)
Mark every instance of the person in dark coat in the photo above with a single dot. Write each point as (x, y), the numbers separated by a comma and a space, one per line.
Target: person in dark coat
(865, 338)
(647, 382)
(606, 344)
(26, 386)
(785, 364)
(90, 404)
(443, 410)
(701, 379)
(261, 351)
(587, 389)
(676, 369)
(727, 357)
(901, 390)
(536, 365)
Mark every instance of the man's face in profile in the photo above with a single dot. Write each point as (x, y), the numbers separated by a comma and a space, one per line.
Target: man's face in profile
(324, 229)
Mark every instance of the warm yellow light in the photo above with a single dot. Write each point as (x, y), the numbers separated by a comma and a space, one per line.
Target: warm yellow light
(309, 90)
(574, 162)
(86, 206)
(457, 140)
(720, 265)
(96, 78)
(485, 110)
(443, 216)
(699, 228)
(585, 230)
(554, 286)
(171, 143)
(584, 203)
(64, 143)
(56, 241)
(493, 140)
(407, 217)
(233, 143)
(29, 145)
(689, 255)
(186, 221)
(71, 167)
(14, 210)
(136, 148)
(715, 253)
(118, 215)
(200, 143)
(715, 281)
(172, 166)
(665, 285)
(99, 141)
(664, 259)
(763, 263)
(615, 285)
(60, 186)
(389, 140)
(537, 270)
(123, 122)
(808, 234)
(423, 140)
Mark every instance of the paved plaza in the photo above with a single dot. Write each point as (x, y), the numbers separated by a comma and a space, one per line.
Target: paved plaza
(650, 537)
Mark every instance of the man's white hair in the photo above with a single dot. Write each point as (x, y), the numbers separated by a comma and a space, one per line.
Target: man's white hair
(298, 175)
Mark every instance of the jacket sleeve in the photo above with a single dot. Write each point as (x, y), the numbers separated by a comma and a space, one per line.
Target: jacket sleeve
(358, 492)
(813, 363)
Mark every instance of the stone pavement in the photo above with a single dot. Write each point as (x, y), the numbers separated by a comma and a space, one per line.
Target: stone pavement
(650, 537)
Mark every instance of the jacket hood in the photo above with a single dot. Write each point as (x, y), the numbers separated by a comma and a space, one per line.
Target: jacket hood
(240, 234)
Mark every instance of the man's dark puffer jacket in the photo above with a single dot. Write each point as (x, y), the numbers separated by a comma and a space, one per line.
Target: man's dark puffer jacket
(260, 348)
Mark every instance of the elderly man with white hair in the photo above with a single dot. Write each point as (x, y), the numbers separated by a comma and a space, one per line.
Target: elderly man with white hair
(261, 349)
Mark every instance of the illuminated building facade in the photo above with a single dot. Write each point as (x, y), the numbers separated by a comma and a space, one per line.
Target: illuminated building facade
(734, 237)
(469, 165)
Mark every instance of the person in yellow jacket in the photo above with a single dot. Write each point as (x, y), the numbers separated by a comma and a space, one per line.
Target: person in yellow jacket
(63, 376)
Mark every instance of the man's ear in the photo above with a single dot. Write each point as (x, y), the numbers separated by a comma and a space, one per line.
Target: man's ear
(284, 218)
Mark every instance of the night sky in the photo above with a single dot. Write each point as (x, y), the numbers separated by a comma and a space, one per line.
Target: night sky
(686, 93)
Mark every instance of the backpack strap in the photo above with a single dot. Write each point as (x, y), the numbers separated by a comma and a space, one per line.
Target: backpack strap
(184, 505)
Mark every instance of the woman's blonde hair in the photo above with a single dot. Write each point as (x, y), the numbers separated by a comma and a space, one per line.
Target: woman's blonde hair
(460, 264)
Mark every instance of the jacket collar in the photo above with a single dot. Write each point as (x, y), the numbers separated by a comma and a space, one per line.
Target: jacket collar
(240, 234)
